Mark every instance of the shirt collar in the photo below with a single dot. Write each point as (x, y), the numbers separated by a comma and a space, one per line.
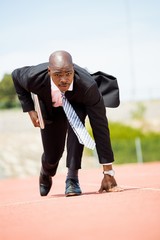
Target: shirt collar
(54, 87)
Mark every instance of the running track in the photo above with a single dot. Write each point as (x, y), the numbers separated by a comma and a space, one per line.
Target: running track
(133, 214)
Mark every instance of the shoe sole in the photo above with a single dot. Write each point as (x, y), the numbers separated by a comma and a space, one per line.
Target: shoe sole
(72, 194)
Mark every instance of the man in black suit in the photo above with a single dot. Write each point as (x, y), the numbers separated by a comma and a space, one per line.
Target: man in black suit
(48, 80)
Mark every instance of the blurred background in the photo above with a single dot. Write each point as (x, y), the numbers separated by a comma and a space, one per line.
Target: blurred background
(119, 37)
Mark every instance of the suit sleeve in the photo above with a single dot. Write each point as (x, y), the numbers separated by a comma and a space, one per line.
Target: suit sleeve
(20, 81)
(97, 115)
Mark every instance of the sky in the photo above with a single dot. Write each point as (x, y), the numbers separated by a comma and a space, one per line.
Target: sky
(119, 37)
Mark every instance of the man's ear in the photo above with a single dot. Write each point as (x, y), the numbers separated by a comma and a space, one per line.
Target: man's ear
(49, 71)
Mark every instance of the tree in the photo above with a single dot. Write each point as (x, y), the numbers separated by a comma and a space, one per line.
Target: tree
(8, 97)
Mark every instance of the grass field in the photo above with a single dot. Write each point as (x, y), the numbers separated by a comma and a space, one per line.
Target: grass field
(21, 148)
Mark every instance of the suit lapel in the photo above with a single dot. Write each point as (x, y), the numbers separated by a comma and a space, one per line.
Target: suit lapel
(45, 94)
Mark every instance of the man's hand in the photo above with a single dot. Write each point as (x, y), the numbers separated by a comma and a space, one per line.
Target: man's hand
(34, 117)
(109, 184)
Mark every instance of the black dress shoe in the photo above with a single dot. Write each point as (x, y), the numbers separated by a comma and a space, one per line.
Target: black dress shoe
(72, 187)
(45, 183)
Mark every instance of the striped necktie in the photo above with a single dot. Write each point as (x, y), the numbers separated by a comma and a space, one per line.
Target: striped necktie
(76, 124)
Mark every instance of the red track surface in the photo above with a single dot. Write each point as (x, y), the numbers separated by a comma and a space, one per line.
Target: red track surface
(131, 214)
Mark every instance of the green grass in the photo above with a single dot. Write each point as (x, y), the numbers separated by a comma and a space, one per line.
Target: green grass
(123, 143)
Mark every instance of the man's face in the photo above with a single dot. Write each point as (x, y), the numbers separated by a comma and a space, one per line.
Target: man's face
(62, 76)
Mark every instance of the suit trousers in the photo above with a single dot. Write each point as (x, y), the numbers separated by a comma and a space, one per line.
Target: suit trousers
(54, 138)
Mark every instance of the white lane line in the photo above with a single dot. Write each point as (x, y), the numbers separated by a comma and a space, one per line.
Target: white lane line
(130, 187)
(54, 197)
(141, 188)
(28, 202)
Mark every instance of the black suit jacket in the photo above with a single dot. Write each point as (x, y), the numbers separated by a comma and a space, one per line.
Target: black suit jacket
(92, 91)
(36, 79)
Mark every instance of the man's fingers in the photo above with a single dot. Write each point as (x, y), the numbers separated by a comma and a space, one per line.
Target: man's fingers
(37, 123)
(111, 189)
(101, 189)
(115, 189)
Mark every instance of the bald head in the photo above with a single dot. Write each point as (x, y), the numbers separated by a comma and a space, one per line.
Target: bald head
(61, 69)
(60, 59)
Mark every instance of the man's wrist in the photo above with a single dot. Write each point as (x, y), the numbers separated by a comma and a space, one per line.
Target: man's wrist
(31, 111)
(109, 172)
(107, 167)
